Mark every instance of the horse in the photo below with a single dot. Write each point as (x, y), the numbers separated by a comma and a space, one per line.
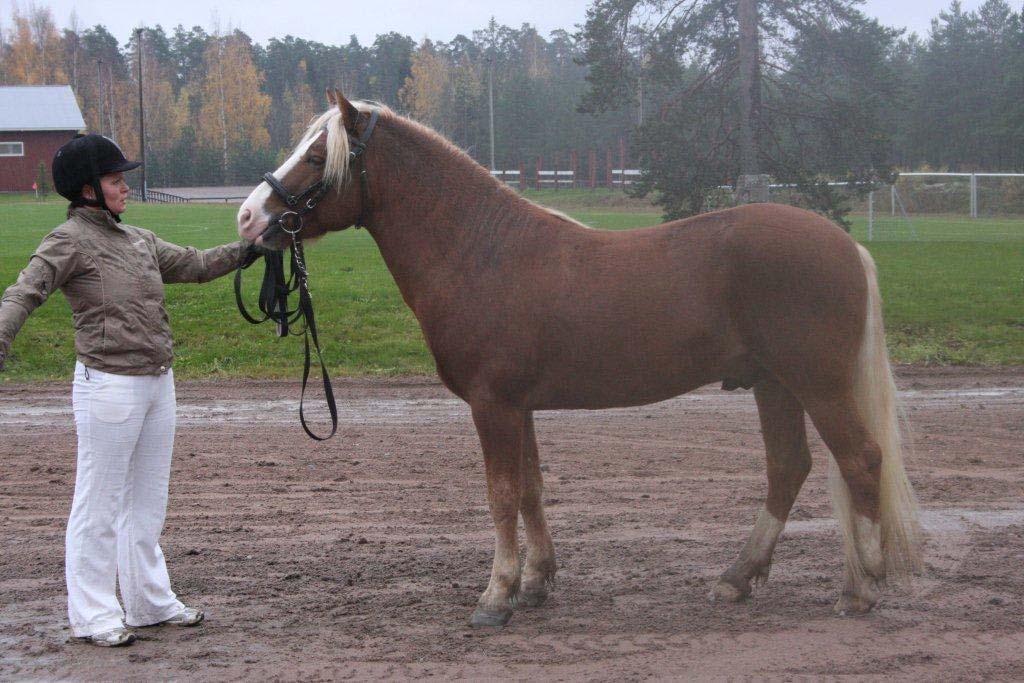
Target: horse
(526, 309)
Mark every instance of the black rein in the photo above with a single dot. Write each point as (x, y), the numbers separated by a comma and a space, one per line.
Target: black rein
(275, 290)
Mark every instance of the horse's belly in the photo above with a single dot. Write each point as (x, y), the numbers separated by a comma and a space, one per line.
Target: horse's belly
(595, 378)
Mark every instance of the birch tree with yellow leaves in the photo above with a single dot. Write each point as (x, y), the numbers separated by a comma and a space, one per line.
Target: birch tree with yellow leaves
(428, 87)
(234, 109)
(33, 53)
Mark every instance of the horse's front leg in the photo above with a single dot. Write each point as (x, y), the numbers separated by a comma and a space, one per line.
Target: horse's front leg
(539, 572)
(501, 431)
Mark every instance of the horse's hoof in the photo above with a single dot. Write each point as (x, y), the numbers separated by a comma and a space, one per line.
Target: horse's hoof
(483, 618)
(726, 592)
(852, 605)
(533, 598)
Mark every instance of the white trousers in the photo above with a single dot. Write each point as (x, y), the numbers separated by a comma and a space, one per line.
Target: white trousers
(125, 437)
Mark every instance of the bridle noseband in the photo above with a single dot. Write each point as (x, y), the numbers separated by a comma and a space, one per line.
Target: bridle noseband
(273, 299)
(290, 220)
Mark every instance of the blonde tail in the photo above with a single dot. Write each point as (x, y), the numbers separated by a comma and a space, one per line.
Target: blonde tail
(875, 391)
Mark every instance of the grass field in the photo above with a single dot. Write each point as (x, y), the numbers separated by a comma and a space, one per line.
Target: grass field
(948, 302)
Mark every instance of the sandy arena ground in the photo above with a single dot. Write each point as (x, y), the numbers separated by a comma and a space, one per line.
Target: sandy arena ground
(364, 556)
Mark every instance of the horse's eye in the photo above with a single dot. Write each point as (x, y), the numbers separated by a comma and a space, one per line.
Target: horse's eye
(316, 161)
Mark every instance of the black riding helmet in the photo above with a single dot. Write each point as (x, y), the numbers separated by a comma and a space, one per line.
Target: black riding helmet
(82, 160)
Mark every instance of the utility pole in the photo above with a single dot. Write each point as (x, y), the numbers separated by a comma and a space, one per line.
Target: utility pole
(108, 92)
(490, 102)
(640, 113)
(100, 95)
(640, 86)
(142, 117)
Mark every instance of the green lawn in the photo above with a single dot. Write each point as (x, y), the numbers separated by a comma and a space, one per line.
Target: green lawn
(946, 301)
(937, 228)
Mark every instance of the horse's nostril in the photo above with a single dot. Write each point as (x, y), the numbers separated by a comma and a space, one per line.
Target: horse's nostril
(245, 217)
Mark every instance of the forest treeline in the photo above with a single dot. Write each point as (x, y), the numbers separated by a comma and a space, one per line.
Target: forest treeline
(221, 108)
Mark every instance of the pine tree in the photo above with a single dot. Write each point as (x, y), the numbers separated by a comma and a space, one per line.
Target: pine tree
(742, 87)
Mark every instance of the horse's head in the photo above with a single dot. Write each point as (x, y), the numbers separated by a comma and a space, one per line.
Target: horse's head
(313, 192)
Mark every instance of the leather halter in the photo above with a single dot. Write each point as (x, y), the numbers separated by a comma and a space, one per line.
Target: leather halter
(273, 299)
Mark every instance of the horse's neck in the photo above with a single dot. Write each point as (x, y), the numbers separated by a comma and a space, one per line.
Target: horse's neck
(440, 217)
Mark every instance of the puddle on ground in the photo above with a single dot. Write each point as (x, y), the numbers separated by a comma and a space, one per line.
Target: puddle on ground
(426, 411)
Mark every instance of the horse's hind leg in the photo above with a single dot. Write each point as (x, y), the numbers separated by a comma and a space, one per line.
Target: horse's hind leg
(855, 483)
(539, 571)
(789, 461)
(501, 430)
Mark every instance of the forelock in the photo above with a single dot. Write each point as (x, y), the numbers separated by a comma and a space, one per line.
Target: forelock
(336, 166)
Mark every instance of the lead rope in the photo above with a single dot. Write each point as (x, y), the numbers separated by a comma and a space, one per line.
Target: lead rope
(273, 303)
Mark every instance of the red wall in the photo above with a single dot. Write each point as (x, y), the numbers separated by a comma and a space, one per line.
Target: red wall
(18, 173)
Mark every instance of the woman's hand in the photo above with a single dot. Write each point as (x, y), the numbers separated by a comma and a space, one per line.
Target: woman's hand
(252, 254)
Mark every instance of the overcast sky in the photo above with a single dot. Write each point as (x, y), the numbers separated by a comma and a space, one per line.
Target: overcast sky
(333, 21)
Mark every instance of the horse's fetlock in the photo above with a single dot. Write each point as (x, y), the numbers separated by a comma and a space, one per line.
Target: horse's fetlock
(544, 567)
(852, 604)
(726, 591)
(761, 573)
(513, 590)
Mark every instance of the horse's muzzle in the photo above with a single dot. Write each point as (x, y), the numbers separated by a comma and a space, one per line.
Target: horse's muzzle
(273, 238)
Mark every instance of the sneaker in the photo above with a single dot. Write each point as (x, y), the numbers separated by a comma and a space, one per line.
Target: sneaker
(186, 617)
(117, 637)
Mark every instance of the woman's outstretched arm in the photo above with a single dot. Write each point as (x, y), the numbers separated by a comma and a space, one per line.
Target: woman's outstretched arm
(49, 268)
(188, 264)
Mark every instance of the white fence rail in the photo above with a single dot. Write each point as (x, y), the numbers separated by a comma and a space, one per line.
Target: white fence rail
(565, 178)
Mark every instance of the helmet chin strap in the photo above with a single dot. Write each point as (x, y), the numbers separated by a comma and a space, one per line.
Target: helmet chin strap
(100, 201)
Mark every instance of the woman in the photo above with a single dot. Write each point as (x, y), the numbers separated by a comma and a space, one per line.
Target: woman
(113, 276)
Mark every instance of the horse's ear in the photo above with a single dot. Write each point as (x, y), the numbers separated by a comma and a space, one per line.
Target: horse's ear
(332, 99)
(349, 114)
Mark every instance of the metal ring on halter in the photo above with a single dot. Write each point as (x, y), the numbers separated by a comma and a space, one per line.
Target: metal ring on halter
(285, 219)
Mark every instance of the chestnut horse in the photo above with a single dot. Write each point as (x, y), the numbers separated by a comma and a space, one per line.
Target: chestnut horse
(525, 309)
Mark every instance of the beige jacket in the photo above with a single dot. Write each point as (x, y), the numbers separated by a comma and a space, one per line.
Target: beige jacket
(113, 276)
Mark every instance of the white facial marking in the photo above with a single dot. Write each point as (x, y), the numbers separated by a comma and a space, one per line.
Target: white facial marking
(257, 199)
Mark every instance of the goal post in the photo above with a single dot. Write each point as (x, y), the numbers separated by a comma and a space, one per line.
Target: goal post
(948, 206)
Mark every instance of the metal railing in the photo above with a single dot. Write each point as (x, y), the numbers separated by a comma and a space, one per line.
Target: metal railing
(157, 196)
